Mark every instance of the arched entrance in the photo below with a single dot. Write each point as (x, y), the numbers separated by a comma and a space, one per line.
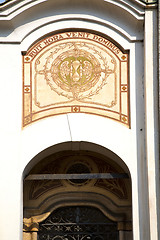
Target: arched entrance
(86, 192)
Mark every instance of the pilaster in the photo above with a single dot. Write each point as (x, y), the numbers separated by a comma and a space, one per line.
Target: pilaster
(151, 118)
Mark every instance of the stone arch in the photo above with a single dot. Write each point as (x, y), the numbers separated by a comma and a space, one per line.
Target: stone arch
(74, 146)
(40, 201)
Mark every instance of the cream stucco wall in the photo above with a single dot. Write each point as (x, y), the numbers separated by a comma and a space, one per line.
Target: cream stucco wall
(23, 24)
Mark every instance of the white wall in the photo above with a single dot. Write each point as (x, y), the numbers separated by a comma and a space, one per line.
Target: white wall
(21, 28)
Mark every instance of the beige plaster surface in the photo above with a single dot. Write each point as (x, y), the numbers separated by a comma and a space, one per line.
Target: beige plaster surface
(75, 72)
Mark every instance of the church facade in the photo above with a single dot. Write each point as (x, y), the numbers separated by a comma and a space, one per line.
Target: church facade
(79, 120)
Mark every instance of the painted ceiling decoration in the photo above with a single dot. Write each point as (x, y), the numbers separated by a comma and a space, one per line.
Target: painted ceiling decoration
(75, 72)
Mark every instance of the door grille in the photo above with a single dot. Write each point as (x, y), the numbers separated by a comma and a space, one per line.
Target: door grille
(77, 223)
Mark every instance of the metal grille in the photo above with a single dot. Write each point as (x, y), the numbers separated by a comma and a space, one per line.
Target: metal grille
(78, 223)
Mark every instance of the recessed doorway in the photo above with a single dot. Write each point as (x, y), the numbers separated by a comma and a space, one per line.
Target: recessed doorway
(77, 195)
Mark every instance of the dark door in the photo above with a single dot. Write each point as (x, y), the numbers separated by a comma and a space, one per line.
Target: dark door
(78, 223)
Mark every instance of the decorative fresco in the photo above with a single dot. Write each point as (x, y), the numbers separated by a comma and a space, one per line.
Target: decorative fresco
(75, 72)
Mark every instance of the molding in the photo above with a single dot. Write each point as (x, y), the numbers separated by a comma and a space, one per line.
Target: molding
(131, 6)
(13, 8)
(107, 206)
(61, 21)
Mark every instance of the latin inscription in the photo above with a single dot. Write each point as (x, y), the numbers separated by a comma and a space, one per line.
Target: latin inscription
(72, 35)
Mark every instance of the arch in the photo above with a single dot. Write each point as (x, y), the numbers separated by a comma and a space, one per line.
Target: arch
(74, 146)
(78, 21)
(50, 13)
(134, 8)
(38, 208)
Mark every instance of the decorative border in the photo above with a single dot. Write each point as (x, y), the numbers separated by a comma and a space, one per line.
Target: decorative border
(30, 115)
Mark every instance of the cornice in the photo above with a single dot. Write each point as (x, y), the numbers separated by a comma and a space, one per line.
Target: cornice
(13, 8)
(8, 3)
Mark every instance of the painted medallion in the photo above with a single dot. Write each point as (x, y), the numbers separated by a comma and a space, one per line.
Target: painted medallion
(75, 72)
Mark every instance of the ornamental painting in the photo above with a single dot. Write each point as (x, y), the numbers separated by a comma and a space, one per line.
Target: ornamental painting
(75, 72)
